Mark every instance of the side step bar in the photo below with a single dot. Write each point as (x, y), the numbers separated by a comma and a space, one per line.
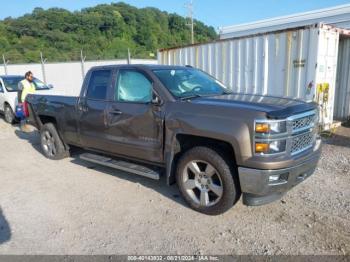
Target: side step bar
(121, 165)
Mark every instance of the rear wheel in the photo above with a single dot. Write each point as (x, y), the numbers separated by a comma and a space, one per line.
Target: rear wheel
(9, 115)
(206, 181)
(51, 143)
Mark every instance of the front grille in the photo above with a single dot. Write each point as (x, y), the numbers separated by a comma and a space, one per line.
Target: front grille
(301, 143)
(303, 132)
(303, 123)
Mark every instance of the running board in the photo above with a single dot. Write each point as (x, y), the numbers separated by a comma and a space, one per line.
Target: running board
(121, 165)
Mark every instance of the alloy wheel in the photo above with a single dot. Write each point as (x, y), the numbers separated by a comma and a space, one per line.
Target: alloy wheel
(202, 183)
(48, 143)
(8, 115)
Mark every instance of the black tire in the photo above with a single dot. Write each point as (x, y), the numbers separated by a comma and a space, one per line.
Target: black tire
(9, 116)
(225, 175)
(51, 143)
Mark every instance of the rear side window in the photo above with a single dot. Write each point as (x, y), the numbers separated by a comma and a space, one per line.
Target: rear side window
(98, 85)
(133, 86)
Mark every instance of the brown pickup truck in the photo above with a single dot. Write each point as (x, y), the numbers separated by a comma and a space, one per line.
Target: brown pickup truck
(179, 122)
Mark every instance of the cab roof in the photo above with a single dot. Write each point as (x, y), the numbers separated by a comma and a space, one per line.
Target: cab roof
(143, 66)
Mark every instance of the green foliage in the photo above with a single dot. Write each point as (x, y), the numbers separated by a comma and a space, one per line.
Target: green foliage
(103, 32)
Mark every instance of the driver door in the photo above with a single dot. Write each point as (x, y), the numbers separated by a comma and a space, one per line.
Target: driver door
(135, 125)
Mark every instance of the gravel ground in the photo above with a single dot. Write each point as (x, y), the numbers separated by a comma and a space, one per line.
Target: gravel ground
(73, 207)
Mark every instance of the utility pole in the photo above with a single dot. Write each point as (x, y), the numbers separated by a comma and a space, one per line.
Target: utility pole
(5, 63)
(129, 57)
(43, 61)
(82, 60)
(189, 7)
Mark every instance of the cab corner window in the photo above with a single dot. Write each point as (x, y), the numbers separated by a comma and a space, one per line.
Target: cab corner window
(98, 84)
(133, 86)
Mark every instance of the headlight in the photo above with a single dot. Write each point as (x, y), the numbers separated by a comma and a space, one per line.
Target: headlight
(269, 136)
(270, 127)
(270, 147)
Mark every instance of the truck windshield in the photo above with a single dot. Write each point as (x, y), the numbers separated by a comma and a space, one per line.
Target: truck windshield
(11, 83)
(189, 82)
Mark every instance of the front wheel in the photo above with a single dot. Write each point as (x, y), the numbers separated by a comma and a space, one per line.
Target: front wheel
(51, 143)
(9, 115)
(206, 181)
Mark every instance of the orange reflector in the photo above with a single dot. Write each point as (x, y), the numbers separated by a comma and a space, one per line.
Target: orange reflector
(262, 128)
(262, 147)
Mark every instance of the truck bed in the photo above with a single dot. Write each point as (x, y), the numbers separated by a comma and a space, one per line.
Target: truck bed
(61, 108)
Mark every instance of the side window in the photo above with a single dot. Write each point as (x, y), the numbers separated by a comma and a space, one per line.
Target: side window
(1, 88)
(98, 84)
(133, 86)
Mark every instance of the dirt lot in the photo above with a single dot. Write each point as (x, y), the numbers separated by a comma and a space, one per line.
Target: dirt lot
(73, 207)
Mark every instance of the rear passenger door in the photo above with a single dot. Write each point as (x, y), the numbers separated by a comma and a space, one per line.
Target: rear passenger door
(92, 109)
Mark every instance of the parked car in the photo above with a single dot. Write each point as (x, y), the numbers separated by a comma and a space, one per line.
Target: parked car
(179, 122)
(9, 92)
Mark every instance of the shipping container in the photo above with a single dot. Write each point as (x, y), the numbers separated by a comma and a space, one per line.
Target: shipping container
(342, 88)
(338, 16)
(298, 63)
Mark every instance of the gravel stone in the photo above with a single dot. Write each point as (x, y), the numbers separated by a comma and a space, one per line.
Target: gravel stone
(63, 207)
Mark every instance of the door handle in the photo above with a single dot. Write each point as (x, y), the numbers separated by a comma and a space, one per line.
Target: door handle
(115, 112)
(83, 108)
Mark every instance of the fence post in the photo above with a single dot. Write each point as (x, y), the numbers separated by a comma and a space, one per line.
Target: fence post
(43, 61)
(82, 61)
(5, 63)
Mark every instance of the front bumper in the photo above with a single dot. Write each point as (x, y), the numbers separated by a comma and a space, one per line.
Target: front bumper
(261, 187)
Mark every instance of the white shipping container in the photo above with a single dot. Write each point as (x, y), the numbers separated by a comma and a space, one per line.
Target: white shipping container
(338, 16)
(296, 63)
(342, 90)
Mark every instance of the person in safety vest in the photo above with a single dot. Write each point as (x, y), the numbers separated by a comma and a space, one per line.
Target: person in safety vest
(26, 87)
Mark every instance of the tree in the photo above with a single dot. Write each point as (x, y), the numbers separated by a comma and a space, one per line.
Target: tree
(104, 31)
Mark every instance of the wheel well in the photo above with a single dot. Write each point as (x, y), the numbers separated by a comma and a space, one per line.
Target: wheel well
(47, 119)
(186, 142)
(7, 104)
(189, 141)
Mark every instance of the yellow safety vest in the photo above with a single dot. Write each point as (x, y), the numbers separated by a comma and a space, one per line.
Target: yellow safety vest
(27, 88)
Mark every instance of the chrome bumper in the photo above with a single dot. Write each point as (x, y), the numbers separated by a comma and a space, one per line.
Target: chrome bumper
(264, 186)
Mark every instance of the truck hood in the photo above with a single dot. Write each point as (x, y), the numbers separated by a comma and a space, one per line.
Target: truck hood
(274, 107)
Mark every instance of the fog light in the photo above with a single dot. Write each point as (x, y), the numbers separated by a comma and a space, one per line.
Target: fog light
(274, 178)
(278, 179)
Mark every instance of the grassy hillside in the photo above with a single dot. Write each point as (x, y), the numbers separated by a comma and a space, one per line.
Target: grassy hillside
(103, 32)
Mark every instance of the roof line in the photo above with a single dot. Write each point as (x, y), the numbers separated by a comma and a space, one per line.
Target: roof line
(332, 11)
(245, 36)
(342, 31)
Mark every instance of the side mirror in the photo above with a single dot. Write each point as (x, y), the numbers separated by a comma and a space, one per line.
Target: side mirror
(50, 86)
(156, 100)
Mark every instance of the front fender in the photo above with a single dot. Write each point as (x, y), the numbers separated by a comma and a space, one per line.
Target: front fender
(222, 133)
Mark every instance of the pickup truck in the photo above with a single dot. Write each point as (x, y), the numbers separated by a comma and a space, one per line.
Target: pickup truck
(9, 91)
(181, 123)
